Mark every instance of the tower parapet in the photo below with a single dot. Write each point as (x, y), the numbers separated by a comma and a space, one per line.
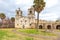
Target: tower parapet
(18, 12)
(31, 12)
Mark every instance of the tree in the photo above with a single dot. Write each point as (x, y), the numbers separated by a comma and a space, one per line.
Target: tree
(12, 19)
(2, 16)
(38, 6)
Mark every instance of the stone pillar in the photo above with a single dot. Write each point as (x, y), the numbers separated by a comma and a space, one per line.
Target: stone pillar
(55, 26)
(43, 25)
(52, 27)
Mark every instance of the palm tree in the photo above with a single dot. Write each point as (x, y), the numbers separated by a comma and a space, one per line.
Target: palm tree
(38, 6)
(12, 19)
(2, 16)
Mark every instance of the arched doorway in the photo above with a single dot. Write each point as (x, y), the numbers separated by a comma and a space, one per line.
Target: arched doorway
(40, 26)
(48, 26)
(58, 27)
(23, 26)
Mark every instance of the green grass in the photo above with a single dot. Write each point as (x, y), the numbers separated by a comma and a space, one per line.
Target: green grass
(29, 38)
(2, 34)
(7, 34)
(29, 31)
(33, 31)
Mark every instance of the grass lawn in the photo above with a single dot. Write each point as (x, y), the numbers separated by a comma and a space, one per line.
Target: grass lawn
(33, 31)
(8, 34)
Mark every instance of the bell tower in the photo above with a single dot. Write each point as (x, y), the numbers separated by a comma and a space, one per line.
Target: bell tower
(18, 12)
(17, 17)
(31, 13)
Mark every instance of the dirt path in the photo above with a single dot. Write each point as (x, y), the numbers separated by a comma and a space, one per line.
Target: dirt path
(58, 34)
(34, 35)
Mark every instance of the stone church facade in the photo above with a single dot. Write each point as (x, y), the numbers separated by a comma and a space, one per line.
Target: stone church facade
(29, 21)
(25, 21)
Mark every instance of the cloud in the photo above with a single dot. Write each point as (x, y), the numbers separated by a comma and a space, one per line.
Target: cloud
(24, 2)
(51, 3)
(51, 11)
(47, 16)
(8, 7)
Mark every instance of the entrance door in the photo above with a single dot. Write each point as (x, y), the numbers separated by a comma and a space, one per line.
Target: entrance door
(23, 26)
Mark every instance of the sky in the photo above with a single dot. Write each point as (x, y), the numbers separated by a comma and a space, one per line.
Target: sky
(51, 11)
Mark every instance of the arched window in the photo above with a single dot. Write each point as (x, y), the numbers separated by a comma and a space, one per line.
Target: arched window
(17, 12)
(30, 11)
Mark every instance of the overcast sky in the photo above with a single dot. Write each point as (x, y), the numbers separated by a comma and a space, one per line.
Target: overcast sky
(51, 11)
